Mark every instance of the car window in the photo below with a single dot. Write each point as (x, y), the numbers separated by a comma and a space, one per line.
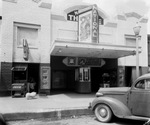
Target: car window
(140, 84)
(147, 84)
(143, 84)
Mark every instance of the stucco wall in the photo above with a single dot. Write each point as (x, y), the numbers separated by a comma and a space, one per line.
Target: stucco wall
(27, 12)
(113, 32)
(66, 30)
(125, 27)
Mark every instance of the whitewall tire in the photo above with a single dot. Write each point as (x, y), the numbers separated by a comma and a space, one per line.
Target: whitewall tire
(103, 113)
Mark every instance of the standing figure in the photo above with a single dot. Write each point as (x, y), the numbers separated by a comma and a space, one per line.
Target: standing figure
(32, 84)
(31, 89)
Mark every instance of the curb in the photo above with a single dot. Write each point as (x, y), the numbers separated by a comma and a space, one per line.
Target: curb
(53, 114)
(2, 120)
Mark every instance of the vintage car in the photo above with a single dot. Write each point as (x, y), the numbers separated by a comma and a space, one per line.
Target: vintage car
(124, 102)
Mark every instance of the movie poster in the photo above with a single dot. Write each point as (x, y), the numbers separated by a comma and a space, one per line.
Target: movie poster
(85, 27)
(45, 77)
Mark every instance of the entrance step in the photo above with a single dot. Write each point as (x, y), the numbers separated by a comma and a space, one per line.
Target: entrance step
(42, 93)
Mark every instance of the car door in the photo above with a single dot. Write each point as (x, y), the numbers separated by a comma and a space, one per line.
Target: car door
(139, 98)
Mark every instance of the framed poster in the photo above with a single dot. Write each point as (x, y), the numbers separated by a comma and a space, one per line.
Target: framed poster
(85, 27)
(45, 77)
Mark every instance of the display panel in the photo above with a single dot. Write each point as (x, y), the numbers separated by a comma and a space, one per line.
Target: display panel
(84, 74)
(45, 77)
(85, 27)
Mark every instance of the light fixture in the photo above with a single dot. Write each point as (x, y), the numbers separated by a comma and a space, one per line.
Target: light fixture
(136, 29)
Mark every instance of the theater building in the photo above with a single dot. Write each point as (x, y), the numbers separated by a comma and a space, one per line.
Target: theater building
(77, 49)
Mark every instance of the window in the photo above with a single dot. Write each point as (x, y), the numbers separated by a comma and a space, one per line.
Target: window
(29, 32)
(143, 84)
(147, 84)
(130, 40)
(140, 84)
(20, 75)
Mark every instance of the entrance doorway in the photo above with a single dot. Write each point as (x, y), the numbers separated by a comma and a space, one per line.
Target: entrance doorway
(96, 78)
(63, 80)
(33, 71)
(99, 79)
(128, 76)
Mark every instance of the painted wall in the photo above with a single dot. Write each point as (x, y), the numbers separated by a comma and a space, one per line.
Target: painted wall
(26, 12)
(55, 26)
(125, 27)
(113, 32)
(64, 30)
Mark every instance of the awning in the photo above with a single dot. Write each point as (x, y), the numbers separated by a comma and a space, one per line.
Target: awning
(76, 49)
(19, 68)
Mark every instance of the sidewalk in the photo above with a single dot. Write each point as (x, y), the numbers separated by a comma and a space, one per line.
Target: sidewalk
(51, 106)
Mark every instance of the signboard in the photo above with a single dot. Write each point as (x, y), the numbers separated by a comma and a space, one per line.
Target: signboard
(73, 16)
(89, 61)
(95, 25)
(83, 61)
(45, 77)
(71, 61)
(89, 26)
(25, 50)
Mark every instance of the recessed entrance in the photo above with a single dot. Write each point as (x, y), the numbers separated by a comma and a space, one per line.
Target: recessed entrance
(33, 71)
(63, 77)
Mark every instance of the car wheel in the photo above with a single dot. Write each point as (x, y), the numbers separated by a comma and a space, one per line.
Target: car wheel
(103, 113)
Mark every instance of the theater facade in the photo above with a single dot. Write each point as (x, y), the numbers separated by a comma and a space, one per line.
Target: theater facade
(78, 49)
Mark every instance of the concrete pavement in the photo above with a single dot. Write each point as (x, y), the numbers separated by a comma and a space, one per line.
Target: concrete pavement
(51, 106)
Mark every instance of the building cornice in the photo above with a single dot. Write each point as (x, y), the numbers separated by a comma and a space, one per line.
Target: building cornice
(58, 17)
(83, 8)
(37, 1)
(111, 24)
(121, 17)
(133, 14)
(143, 20)
(12, 1)
(45, 4)
(125, 16)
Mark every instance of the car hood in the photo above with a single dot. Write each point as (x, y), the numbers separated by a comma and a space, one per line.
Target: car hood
(113, 90)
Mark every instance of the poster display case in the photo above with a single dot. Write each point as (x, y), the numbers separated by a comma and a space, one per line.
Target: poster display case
(45, 80)
(88, 26)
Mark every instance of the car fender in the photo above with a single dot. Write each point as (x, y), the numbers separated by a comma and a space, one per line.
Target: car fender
(118, 108)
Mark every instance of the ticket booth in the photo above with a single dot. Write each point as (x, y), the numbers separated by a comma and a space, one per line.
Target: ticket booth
(19, 81)
(83, 80)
